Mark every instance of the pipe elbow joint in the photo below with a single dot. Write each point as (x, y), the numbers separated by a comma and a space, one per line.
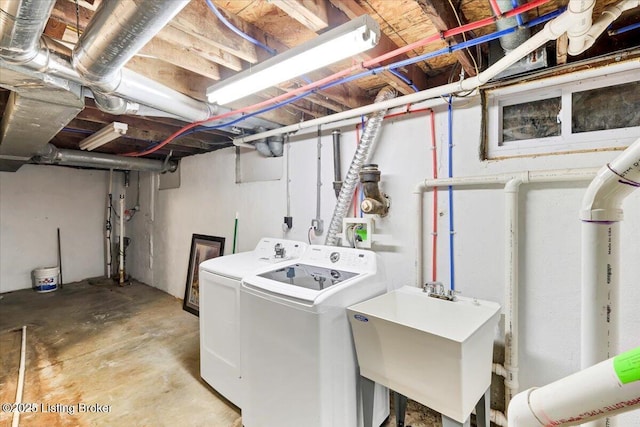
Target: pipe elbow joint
(603, 199)
(520, 413)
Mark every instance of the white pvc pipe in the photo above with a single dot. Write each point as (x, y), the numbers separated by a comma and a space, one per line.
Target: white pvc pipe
(599, 296)
(19, 389)
(605, 389)
(601, 212)
(578, 10)
(555, 175)
(609, 14)
(121, 249)
(512, 182)
(511, 357)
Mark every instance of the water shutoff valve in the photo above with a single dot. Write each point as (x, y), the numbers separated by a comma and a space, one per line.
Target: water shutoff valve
(375, 202)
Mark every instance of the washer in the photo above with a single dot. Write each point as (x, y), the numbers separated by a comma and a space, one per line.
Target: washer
(298, 359)
(220, 310)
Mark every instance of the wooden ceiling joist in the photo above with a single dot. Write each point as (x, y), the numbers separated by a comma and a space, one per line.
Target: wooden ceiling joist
(199, 47)
(196, 19)
(444, 18)
(180, 57)
(310, 13)
(352, 10)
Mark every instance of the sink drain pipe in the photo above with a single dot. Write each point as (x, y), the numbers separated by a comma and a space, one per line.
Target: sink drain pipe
(371, 132)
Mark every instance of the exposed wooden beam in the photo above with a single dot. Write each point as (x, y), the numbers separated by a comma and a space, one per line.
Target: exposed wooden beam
(187, 82)
(310, 13)
(197, 20)
(65, 12)
(444, 18)
(179, 38)
(181, 57)
(352, 10)
(55, 29)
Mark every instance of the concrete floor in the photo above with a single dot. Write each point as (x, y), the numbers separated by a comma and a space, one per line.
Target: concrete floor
(132, 350)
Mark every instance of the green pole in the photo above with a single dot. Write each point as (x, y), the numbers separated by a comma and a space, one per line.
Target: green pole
(235, 233)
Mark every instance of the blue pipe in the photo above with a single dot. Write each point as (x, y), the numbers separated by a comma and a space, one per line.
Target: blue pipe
(233, 28)
(515, 4)
(452, 269)
(624, 29)
(405, 79)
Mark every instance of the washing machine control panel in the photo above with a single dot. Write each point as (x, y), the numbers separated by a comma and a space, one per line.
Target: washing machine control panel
(279, 249)
(341, 258)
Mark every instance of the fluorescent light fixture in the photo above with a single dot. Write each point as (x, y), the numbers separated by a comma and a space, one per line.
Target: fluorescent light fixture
(104, 135)
(352, 38)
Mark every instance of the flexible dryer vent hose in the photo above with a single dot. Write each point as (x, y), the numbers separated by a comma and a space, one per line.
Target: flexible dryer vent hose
(371, 131)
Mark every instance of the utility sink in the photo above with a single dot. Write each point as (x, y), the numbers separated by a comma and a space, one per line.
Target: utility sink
(434, 351)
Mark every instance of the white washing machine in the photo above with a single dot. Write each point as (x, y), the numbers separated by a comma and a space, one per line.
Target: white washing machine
(298, 360)
(220, 310)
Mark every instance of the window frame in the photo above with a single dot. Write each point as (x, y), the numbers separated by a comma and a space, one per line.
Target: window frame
(562, 86)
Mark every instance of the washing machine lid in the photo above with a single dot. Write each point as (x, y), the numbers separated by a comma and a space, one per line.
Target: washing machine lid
(309, 285)
(237, 266)
(308, 276)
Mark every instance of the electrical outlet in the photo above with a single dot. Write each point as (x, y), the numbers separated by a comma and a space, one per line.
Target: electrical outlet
(358, 232)
(318, 226)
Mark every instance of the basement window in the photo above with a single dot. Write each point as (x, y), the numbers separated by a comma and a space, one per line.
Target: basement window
(593, 111)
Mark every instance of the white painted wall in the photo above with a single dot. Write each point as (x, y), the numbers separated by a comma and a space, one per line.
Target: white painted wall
(208, 199)
(37, 200)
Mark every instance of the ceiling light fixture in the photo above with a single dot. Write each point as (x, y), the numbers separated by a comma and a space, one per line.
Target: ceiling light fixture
(352, 38)
(104, 135)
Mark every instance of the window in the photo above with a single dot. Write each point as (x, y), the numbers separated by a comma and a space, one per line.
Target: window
(590, 110)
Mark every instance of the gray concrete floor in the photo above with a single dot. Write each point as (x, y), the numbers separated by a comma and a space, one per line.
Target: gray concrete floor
(132, 350)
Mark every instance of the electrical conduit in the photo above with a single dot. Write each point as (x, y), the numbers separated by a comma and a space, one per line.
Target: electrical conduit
(361, 156)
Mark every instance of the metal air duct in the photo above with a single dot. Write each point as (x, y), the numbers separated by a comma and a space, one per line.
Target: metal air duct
(58, 156)
(118, 30)
(37, 109)
(21, 25)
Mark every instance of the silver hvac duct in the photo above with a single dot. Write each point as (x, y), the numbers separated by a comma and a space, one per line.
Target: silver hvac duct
(118, 30)
(22, 23)
(63, 157)
(371, 131)
(130, 85)
(515, 39)
(36, 109)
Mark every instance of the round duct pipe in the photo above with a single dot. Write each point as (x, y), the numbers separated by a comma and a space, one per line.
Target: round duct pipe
(52, 155)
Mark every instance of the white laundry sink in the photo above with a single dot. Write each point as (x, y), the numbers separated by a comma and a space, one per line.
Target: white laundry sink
(436, 352)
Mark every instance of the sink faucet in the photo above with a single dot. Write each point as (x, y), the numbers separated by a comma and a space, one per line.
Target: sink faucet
(437, 290)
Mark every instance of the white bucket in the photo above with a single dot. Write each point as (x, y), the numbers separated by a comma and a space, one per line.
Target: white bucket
(45, 279)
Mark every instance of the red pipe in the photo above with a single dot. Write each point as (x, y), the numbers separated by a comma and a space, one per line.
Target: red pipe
(496, 9)
(355, 67)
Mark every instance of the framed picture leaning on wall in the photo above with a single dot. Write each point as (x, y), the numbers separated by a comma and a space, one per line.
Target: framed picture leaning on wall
(202, 248)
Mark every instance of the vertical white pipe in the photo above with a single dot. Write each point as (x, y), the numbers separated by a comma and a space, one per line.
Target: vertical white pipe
(419, 215)
(511, 383)
(121, 250)
(600, 270)
(23, 354)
